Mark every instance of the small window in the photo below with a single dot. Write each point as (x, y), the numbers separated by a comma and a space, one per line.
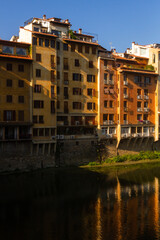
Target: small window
(58, 90)
(86, 49)
(46, 132)
(58, 75)
(105, 103)
(21, 115)
(73, 47)
(41, 120)
(9, 66)
(9, 98)
(90, 64)
(38, 72)
(21, 99)
(80, 48)
(21, 68)
(37, 88)
(40, 42)
(38, 104)
(38, 57)
(41, 132)
(89, 91)
(52, 44)
(65, 46)
(93, 50)
(35, 132)
(58, 104)
(9, 83)
(35, 119)
(76, 62)
(46, 43)
(34, 41)
(58, 45)
(20, 83)
(58, 60)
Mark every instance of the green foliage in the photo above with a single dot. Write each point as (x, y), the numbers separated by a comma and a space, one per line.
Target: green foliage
(93, 163)
(136, 157)
(72, 36)
(149, 67)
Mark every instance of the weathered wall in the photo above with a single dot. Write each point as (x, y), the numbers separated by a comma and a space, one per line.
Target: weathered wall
(75, 153)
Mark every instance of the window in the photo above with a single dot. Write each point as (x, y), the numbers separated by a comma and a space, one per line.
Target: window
(46, 132)
(52, 106)
(105, 117)
(80, 48)
(77, 105)
(146, 92)
(65, 76)
(35, 119)
(125, 104)
(41, 132)
(38, 57)
(9, 66)
(93, 50)
(65, 63)
(77, 77)
(40, 42)
(58, 104)
(21, 99)
(89, 91)
(76, 62)
(105, 63)
(34, 41)
(105, 103)
(111, 104)
(139, 104)
(154, 58)
(41, 120)
(139, 116)
(90, 64)
(37, 88)
(58, 90)
(76, 91)
(58, 60)
(9, 98)
(20, 115)
(125, 77)
(58, 45)
(65, 46)
(53, 65)
(86, 49)
(20, 83)
(9, 83)
(7, 49)
(111, 76)
(90, 78)
(21, 68)
(90, 106)
(147, 80)
(21, 51)
(105, 76)
(9, 115)
(137, 79)
(58, 75)
(46, 43)
(38, 72)
(145, 104)
(125, 117)
(73, 46)
(38, 104)
(36, 29)
(53, 76)
(52, 44)
(52, 91)
(35, 132)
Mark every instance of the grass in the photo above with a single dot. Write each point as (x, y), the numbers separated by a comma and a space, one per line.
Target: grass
(129, 158)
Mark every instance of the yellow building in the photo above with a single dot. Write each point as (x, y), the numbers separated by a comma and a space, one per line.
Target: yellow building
(15, 98)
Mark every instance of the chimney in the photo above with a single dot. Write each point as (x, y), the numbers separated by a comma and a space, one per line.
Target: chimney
(80, 30)
(67, 21)
(44, 16)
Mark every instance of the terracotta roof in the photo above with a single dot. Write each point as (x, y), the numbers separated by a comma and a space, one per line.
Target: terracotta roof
(14, 43)
(40, 33)
(123, 58)
(81, 34)
(17, 57)
(138, 56)
(138, 71)
(75, 40)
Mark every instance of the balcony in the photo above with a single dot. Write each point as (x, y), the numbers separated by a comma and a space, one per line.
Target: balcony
(125, 96)
(125, 83)
(146, 121)
(146, 109)
(125, 135)
(125, 121)
(139, 109)
(108, 122)
(146, 97)
(106, 82)
(139, 96)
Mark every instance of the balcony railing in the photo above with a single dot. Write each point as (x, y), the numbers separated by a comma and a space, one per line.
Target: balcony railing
(146, 109)
(125, 135)
(125, 109)
(108, 122)
(139, 109)
(125, 121)
(125, 96)
(139, 96)
(125, 83)
(66, 82)
(146, 97)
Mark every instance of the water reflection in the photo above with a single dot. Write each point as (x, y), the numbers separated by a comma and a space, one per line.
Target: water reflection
(80, 204)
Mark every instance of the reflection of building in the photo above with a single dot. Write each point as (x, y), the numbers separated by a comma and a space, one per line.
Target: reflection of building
(15, 98)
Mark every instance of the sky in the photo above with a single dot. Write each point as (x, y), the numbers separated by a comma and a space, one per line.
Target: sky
(117, 23)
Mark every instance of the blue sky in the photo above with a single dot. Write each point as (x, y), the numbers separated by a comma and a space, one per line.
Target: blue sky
(117, 22)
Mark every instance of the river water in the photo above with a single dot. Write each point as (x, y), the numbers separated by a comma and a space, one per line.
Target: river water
(115, 203)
